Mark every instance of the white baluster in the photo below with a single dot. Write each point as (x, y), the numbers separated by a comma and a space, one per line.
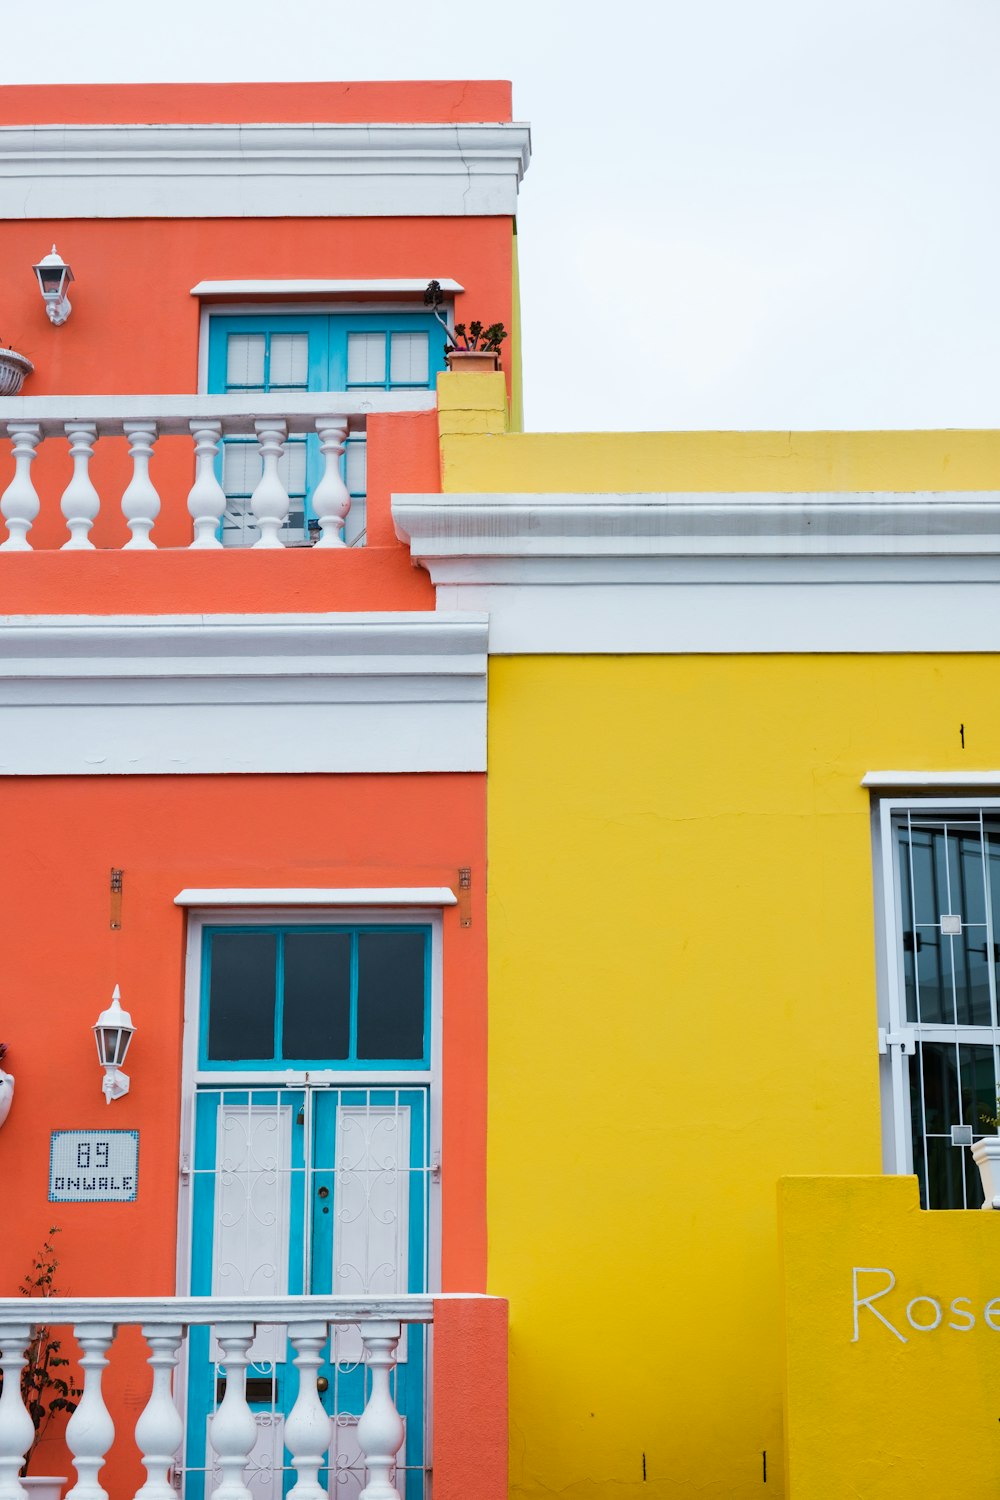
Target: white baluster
(232, 1430)
(140, 502)
(160, 1430)
(207, 499)
(269, 500)
(331, 500)
(80, 502)
(19, 504)
(90, 1431)
(307, 1430)
(16, 1427)
(380, 1430)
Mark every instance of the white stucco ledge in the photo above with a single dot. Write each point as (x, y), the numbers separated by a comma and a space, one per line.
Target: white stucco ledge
(216, 694)
(408, 286)
(726, 572)
(928, 780)
(432, 895)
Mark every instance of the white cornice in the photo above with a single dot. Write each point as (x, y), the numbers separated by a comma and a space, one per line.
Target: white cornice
(720, 572)
(260, 170)
(224, 693)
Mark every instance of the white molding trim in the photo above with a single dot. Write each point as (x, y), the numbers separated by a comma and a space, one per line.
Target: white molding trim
(260, 170)
(190, 694)
(932, 780)
(412, 286)
(432, 895)
(716, 572)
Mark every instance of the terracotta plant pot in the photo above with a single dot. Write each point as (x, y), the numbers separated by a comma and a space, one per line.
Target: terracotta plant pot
(13, 369)
(986, 1155)
(473, 361)
(44, 1487)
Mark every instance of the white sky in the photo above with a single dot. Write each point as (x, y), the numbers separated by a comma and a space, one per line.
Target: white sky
(740, 213)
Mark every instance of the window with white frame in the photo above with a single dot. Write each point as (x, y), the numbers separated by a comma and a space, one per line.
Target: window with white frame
(940, 1037)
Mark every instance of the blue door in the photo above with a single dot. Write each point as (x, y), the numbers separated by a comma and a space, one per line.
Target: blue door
(311, 1187)
(312, 352)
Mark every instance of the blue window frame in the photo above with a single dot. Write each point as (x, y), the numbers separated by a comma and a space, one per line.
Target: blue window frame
(353, 997)
(313, 352)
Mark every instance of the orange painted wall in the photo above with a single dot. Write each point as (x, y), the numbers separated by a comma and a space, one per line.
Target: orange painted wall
(61, 838)
(166, 103)
(470, 1398)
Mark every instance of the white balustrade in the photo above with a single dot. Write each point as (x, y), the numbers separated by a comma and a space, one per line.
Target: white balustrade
(307, 1430)
(380, 1430)
(140, 502)
(332, 499)
(19, 503)
(206, 422)
(159, 1431)
(207, 500)
(16, 1427)
(80, 502)
(270, 500)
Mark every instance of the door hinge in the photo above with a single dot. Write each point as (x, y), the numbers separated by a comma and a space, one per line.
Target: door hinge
(436, 1166)
(185, 1168)
(907, 1040)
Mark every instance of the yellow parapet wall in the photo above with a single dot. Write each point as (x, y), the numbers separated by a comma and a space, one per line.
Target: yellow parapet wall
(892, 1343)
(473, 418)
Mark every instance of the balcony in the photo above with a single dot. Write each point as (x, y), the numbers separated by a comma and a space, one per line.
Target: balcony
(255, 459)
(341, 1432)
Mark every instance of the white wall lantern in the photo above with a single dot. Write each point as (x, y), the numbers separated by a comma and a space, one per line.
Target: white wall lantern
(54, 276)
(113, 1033)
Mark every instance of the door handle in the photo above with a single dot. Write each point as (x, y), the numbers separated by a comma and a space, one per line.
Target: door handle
(322, 1385)
(323, 1192)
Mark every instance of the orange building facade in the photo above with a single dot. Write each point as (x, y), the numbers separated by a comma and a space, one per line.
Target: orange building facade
(245, 757)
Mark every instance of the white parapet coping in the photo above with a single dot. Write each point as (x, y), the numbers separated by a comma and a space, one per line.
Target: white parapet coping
(190, 694)
(409, 286)
(260, 170)
(716, 572)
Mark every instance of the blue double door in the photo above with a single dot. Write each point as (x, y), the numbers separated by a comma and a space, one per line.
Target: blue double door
(316, 1190)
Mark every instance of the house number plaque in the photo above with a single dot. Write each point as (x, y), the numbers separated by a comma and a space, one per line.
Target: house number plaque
(94, 1166)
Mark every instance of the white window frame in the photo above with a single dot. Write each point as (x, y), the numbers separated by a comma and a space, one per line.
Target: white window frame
(895, 1030)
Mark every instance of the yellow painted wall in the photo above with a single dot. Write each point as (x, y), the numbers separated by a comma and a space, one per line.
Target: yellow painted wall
(889, 1419)
(682, 1010)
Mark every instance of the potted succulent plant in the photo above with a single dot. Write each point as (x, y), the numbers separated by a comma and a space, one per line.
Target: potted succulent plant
(47, 1386)
(6, 1087)
(986, 1155)
(14, 368)
(471, 348)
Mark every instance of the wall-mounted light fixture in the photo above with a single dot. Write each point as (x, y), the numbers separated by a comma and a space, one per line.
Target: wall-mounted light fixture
(113, 1033)
(54, 276)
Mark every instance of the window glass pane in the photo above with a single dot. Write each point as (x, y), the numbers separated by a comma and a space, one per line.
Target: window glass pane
(317, 1009)
(245, 360)
(241, 996)
(391, 994)
(292, 466)
(289, 361)
(356, 466)
(408, 359)
(241, 467)
(366, 359)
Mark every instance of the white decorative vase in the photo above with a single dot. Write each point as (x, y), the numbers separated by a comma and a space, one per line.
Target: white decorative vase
(13, 369)
(6, 1094)
(986, 1155)
(44, 1487)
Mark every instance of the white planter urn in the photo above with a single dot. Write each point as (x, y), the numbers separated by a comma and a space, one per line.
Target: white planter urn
(986, 1155)
(14, 368)
(44, 1487)
(6, 1094)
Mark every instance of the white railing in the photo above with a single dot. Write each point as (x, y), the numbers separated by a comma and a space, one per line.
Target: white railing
(160, 1429)
(208, 421)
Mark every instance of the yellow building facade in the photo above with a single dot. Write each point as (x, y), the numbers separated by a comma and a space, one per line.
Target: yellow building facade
(720, 664)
